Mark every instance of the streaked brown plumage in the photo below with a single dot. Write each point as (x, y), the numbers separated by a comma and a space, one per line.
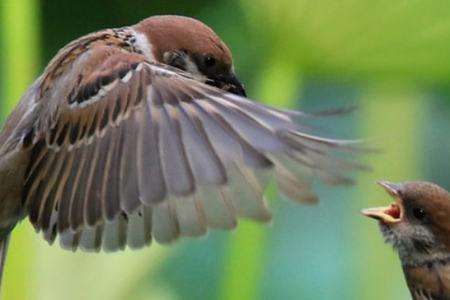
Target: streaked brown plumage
(417, 224)
(142, 132)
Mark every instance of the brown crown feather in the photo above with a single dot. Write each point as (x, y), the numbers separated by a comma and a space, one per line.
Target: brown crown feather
(168, 33)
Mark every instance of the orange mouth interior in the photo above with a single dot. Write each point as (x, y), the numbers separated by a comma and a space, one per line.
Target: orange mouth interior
(388, 215)
(393, 211)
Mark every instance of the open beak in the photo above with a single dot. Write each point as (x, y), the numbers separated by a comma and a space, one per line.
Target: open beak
(391, 214)
(229, 83)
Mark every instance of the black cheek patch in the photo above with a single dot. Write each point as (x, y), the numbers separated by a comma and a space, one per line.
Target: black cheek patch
(177, 60)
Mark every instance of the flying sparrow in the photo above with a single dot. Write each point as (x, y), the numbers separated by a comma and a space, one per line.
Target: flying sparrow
(417, 224)
(144, 132)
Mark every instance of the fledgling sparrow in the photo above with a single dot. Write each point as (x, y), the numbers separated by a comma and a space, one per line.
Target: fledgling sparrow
(145, 131)
(417, 224)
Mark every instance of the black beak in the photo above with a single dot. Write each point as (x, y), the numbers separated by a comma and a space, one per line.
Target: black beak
(229, 83)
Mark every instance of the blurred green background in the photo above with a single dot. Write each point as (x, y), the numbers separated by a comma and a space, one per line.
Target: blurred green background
(391, 58)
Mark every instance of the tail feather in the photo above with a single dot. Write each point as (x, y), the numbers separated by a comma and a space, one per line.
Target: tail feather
(3, 250)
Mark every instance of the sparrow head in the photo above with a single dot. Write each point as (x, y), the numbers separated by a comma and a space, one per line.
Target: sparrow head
(417, 224)
(191, 46)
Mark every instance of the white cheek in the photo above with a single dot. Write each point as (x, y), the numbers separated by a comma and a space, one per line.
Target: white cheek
(191, 67)
(144, 45)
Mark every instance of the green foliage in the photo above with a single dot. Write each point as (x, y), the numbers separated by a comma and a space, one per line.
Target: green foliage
(365, 39)
(19, 59)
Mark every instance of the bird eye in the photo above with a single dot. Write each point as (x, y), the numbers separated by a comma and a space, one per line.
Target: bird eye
(419, 213)
(210, 61)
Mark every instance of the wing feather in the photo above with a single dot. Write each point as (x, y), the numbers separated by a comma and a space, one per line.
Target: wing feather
(139, 232)
(203, 159)
(165, 226)
(77, 193)
(190, 216)
(95, 195)
(129, 189)
(247, 194)
(217, 206)
(112, 187)
(177, 173)
(227, 141)
(64, 208)
(151, 182)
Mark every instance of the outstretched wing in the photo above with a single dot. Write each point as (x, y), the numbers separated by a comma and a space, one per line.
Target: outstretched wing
(137, 150)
